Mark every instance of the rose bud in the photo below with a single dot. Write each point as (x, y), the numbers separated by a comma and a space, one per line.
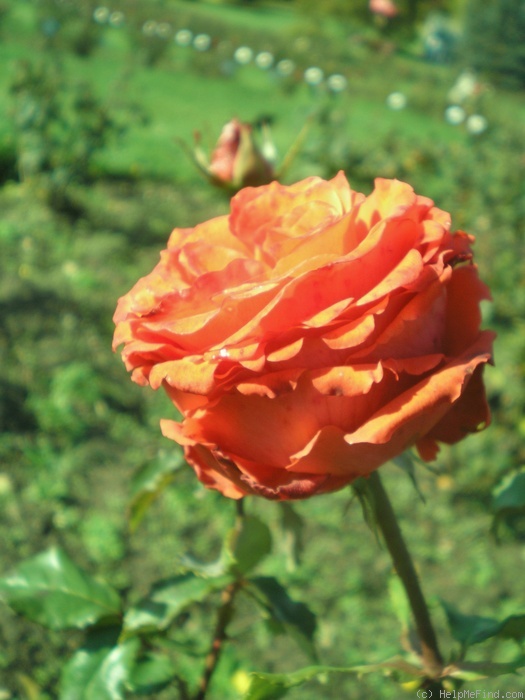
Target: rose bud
(384, 8)
(236, 161)
(311, 336)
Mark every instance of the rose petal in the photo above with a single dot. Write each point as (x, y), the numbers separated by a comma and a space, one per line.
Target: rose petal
(413, 414)
(468, 415)
(464, 293)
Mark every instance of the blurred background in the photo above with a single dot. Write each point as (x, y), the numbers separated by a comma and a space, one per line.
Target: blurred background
(100, 108)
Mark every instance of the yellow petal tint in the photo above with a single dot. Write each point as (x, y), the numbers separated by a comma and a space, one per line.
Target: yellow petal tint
(273, 219)
(188, 374)
(354, 332)
(390, 198)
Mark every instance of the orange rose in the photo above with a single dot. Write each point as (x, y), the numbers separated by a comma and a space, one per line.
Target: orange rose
(311, 336)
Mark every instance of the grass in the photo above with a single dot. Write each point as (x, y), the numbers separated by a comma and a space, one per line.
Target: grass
(175, 100)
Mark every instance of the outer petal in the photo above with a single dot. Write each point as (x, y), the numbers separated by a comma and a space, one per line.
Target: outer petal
(412, 415)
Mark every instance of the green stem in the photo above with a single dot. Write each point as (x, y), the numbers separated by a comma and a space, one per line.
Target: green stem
(224, 616)
(389, 527)
(219, 637)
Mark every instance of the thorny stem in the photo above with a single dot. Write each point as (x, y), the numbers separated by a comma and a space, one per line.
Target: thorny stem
(389, 527)
(224, 616)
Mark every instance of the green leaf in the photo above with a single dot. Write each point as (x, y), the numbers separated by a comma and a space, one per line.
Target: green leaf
(271, 686)
(286, 615)
(509, 495)
(469, 629)
(474, 629)
(152, 674)
(293, 526)
(52, 590)
(513, 627)
(168, 599)
(508, 503)
(99, 670)
(148, 484)
(246, 547)
(482, 669)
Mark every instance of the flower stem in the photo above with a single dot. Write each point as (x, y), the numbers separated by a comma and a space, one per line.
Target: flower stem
(389, 527)
(224, 616)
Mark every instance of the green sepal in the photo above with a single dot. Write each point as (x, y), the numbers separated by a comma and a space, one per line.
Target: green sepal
(52, 590)
(407, 461)
(361, 490)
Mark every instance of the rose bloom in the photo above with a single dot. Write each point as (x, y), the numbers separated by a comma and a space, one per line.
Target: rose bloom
(311, 335)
